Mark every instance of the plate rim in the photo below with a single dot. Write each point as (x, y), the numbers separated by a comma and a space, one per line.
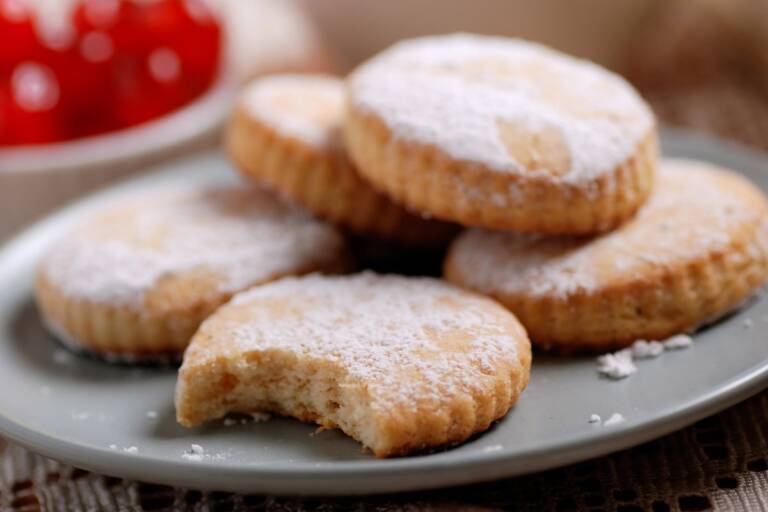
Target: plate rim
(319, 479)
(389, 475)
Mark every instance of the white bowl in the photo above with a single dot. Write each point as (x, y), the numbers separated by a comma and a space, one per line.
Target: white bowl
(35, 179)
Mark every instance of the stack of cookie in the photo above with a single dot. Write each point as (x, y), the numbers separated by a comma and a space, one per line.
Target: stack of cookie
(577, 235)
(577, 227)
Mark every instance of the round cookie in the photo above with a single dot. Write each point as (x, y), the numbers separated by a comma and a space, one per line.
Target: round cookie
(286, 133)
(696, 250)
(137, 279)
(400, 364)
(502, 134)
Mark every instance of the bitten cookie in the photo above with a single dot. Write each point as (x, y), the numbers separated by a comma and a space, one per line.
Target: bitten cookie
(501, 133)
(696, 250)
(399, 364)
(286, 133)
(137, 279)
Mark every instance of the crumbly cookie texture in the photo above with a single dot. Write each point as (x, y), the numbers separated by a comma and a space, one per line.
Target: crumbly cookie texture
(696, 250)
(286, 134)
(400, 364)
(501, 133)
(140, 276)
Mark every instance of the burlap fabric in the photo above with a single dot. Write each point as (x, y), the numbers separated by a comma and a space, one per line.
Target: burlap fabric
(684, 61)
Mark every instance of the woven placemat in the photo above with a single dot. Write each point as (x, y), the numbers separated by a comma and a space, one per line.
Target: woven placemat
(684, 63)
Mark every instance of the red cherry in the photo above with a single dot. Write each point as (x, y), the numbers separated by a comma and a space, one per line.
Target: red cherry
(19, 41)
(97, 14)
(149, 88)
(145, 25)
(199, 49)
(29, 112)
(16, 11)
(124, 62)
(34, 87)
(7, 134)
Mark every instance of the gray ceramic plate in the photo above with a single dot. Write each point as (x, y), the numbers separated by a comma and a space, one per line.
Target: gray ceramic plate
(73, 409)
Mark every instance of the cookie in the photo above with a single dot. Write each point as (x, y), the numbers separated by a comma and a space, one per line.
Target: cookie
(286, 133)
(502, 134)
(399, 364)
(137, 278)
(695, 251)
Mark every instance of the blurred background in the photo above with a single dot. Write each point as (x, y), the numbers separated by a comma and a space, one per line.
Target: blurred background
(93, 90)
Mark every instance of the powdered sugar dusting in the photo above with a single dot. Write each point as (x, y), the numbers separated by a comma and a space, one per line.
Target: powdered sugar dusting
(695, 209)
(307, 107)
(455, 91)
(404, 339)
(238, 236)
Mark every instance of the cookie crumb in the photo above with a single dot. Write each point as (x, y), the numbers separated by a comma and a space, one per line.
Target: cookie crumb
(643, 349)
(131, 449)
(677, 342)
(595, 418)
(617, 365)
(620, 364)
(614, 419)
(195, 453)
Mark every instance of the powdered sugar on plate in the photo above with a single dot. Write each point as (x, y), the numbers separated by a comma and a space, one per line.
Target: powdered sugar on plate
(614, 419)
(642, 349)
(617, 365)
(620, 364)
(233, 236)
(195, 453)
(127, 449)
(678, 342)
(456, 92)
